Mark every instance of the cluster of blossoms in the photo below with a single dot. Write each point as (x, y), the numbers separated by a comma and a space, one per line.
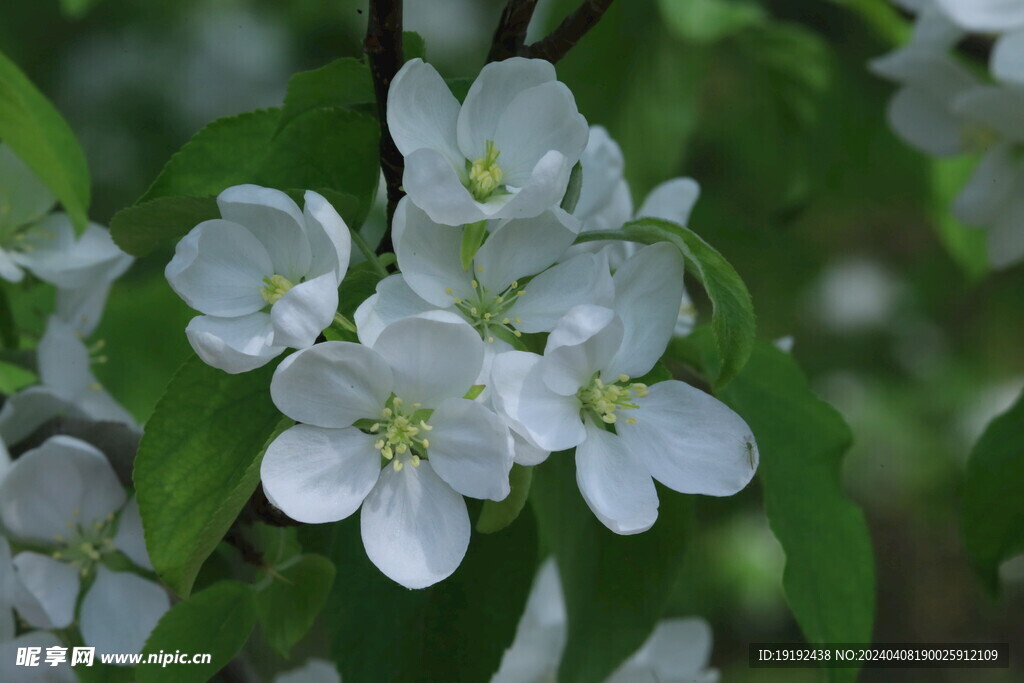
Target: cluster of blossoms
(73, 562)
(497, 343)
(944, 107)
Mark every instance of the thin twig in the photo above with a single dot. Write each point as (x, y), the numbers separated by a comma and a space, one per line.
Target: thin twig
(383, 48)
(558, 43)
(510, 36)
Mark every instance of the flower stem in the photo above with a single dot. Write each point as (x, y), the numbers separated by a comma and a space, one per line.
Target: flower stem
(371, 257)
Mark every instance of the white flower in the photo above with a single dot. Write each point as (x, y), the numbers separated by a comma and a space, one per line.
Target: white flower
(605, 204)
(492, 294)
(386, 426)
(313, 671)
(65, 496)
(8, 587)
(988, 16)
(583, 383)
(67, 387)
(678, 651)
(507, 152)
(265, 276)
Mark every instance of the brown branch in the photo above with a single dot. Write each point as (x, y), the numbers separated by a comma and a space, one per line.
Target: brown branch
(558, 43)
(510, 36)
(383, 49)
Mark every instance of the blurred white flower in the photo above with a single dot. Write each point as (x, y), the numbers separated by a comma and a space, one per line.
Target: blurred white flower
(507, 152)
(677, 651)
(265, 275)
(66, 387)
(23, 201)
(988, 16)
(398, 401)
(855, 294)
(313, 671)
(65, 497)
(670, 431)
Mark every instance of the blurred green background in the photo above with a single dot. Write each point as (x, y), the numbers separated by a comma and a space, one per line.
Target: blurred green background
(840, 231)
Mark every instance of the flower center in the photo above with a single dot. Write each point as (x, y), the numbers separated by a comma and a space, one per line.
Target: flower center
(978, 137)
(402, 432)
(489, 312)
(275, 287)
(85, 545)
(485, 175)
(603, 400)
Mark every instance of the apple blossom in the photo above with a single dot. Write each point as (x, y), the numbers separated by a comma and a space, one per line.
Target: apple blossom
(385, 426)
(583, 384)
(67, 387)
(988, 16)
(64, 496)
(506, 152)
(265, 276)
(24, 199)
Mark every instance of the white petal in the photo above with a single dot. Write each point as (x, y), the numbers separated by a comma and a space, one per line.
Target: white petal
(537, 121)
(428, 255)
(614, 483)
(434, 356)
(38, 504)
(21, 190)
(672, 200)
(527, 453)
(8, 587)
(471, 449)
(275, 220)
(540, 636)
(677, 649)
(129, 538)
(320, 475)
(433, 185)
(687, 316)
(584, 342)
(120, 610)
(422, 112)
(27, 410)
(552, 421)
(990, 187)
(995, 107)
(415, 528)
(47, 590)
(518, 248)
(63, 360)
(602, 166)
(51, 251)
(690, 441)
(305, 311)
(10, 671)
(543, 188)
(938, 74)
(218, 269)
(648, 294)
(925, 123)
(313, 671)
(82, 308)
(329, 238)
(332, 384)
(98, 405)
(393, 301)
(1007, 61)
(233, 345)
(498, 84)
(9, 270)
(583, 279)
(985, 15)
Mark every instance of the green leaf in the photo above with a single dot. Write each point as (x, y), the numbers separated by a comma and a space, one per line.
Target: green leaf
(342, 83)
(76, 9)
(217, 621)
(966, 245)
(993, 498)
(413, 46)
(496, 515)
(706, 21)
(829, 577)
(572, 192)
(334, 149)
(454, 631)
(287, 606)
(616, 587)
(459, 87)
(36, 132)
(140, 228)
(733, 317)
(199, 462)
(359, 284)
